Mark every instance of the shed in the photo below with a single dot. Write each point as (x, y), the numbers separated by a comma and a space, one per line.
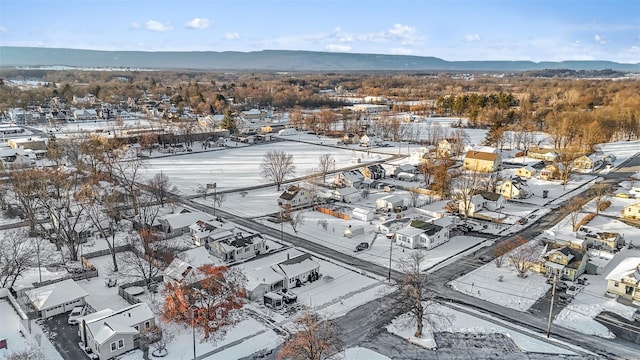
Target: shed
(362, 214)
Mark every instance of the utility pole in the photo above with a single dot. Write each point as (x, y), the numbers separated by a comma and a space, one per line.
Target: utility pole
(553, 293)
(390, 237)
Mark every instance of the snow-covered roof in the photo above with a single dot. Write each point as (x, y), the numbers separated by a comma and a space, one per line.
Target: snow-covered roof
(119, 322)
(626, 268)
(297, 266)
(186, 260)
(178, 221)
(55, 294)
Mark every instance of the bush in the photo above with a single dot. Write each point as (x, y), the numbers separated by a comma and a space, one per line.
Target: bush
(604, 205)
(585, 220)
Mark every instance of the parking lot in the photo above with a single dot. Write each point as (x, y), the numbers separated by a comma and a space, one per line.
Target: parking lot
(63, 336)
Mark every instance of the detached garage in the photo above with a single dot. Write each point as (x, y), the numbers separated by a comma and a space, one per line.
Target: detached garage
(57, 298)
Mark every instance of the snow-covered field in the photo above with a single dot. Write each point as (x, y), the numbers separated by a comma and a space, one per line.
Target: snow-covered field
(236, 168)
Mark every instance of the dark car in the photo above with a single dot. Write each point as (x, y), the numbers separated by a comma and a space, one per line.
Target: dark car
(362, 246)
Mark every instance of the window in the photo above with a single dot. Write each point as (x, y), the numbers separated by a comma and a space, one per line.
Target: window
(114, 346)
(120, 343)
(97, 347)
(147, 324)
(137, 327)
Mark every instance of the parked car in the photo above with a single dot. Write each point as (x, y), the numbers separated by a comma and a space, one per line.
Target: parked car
(636, 315)
(484, 258)
(362, 246)
(573, 290)
(76, 313)
(522, 221)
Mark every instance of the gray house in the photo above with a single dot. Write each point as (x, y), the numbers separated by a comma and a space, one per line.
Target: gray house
(108, 333)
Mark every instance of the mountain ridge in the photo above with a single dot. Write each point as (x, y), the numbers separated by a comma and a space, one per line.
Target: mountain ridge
(278, 60)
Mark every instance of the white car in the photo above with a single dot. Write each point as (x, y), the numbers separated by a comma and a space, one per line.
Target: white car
(76, 313)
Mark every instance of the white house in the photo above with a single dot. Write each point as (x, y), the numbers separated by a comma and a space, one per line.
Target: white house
(370, 140)
(389, 202)
(239, 246)
(109, 333)
(348, 195)
(362, 214)
(420, 234)
(474, 204)
(173, 225)
(57, 298)
(352, 178)
(513, 189)
(624, 279)
(298, 270)
(201, 229)
(295, 196)
(186, 262)
(492, 201)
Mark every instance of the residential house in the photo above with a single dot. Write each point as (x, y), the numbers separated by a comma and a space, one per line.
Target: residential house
(238, 247)
(390, 202)
(624, 279)
(352, 178)
(420, 234)
(33, 143)
(295, 196)
(631, 211)
(586, 164)
(599, 239)
(444, 149)
(370, 140)
(173, 225)
(472, 205)
(347, 195)
(350, 138)
(404, 168)
(550, 172)
(201, 229)
(374, 172)
(85, 114)
(513, 189)
(298, 270)
(545, 154)
(492, 201)
(566, 261)
(482, 161)
(392, 225)
(185, 265)
(526, 172)
(57, 298)
(108, 334)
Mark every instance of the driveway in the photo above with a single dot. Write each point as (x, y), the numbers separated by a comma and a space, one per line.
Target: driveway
(64, 337)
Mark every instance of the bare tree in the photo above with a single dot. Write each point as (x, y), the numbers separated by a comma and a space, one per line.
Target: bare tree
(523, 258)
(149, 254)
(326, 163)
(413, 292)
(467, 185)
(574, 206)
(127, 172)
(16, 256)
(160, 187)
(414, 194)
(315, 339)
(501, 249)
(600, 196)
(277, 166)
(294, 219)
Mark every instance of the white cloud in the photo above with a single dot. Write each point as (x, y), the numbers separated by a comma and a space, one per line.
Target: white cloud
(599, 39)
(157, 26)
(338, 48)
(401, 51)
(135, 25)
(232, 36)
(471, 37)
(3, 30)
(198, 23)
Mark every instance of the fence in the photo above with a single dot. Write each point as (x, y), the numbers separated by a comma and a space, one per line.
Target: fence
(104, 252)
(333, 213)
(132, 299)
(86, 274)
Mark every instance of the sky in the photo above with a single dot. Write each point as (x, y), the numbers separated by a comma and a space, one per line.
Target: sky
(455, 30)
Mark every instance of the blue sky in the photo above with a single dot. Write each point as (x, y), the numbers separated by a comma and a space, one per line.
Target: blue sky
(537, 30)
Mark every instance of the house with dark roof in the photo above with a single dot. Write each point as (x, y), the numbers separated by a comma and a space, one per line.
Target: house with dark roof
(238, 246)
(374, 172)
(298, 270)
(295, 196)
(492, 201)
(421, 234)
(349, 178)
(567, 262)
(482, 161)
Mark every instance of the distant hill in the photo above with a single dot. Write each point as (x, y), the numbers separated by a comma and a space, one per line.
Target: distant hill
(275, 60)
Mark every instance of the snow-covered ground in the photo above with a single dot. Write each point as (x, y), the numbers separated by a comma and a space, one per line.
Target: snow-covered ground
(18, 338)
(454, 319)
(240, 167)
